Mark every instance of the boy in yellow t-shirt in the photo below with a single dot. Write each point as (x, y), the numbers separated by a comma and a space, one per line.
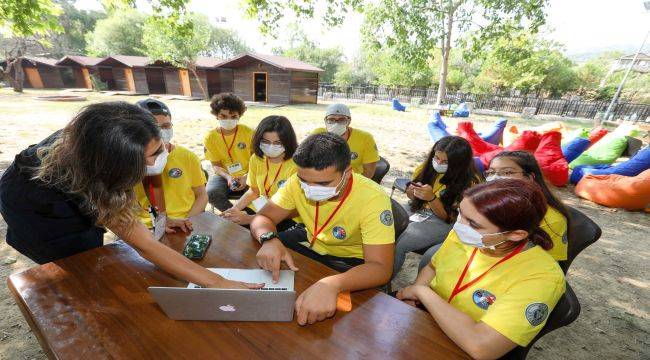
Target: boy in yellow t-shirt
(183, 180)
(228, 147)
(364, 154)
(348, 226)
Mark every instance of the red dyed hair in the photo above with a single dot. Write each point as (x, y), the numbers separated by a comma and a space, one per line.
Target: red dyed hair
(512, 204)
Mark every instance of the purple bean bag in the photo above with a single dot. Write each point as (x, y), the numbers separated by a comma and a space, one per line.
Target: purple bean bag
(495, 135)
(437, 128)
(574, 148)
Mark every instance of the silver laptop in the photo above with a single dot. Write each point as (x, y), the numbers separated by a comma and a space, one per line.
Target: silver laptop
(274, 302)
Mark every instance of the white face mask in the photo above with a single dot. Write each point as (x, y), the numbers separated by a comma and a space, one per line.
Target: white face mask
(166, 135)
(271, 150)
(228, 124)
(440, 168)
(468, 236)
(320, 193)
(337, 128)
(495, 177)
(159, 165)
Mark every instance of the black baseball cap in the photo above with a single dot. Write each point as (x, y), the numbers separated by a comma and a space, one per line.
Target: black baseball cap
(154, 106)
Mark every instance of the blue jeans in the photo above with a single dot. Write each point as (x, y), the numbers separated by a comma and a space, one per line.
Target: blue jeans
(419, 236)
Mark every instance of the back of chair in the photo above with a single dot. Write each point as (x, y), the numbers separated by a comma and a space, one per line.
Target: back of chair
(583, 232)
(381, 170)
(400, 218)
(565, 312)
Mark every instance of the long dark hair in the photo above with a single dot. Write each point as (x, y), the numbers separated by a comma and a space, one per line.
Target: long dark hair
(512, 204)
(99, 157)
(280, 125)
(461, 171)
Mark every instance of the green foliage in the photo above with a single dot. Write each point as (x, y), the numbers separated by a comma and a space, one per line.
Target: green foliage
(224, 43)
(179, 48)
(119, 34)
(25, 18)
(76, 23)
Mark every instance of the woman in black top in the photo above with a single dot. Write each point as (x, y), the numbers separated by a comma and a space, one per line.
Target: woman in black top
(60, 195)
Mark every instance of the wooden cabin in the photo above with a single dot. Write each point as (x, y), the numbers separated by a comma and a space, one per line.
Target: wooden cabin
(273, 79)
(76, 70)
(124, 73)
(40, 73)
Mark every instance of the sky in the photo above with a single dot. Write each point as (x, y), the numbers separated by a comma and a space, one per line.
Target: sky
(583, 26)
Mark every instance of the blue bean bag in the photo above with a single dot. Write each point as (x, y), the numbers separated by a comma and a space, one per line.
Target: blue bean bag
(461, 111)
(437, 128)
(574, 148)
(495, 135)
(639, 163)
(479, 164)
(581, 170)
(397, 106)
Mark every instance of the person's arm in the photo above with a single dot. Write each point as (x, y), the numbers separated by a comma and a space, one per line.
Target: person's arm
(477, 339)
(369, 170)
(200, 201)
(318, 302)
(173, 262)
(425, 192)
(249, 196)
(236, 213)
(217, 166)
(272, 253)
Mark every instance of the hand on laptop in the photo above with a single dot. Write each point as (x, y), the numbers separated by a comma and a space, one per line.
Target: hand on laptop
(271, 256)
(317, 303)
(230, 284)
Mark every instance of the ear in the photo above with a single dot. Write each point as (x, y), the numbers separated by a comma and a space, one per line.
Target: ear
(517, 235)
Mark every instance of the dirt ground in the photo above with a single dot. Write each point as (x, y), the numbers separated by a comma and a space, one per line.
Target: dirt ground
(611, 278)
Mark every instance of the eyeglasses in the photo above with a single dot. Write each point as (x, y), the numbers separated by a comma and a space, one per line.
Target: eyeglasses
(341, 120)
(504, 173)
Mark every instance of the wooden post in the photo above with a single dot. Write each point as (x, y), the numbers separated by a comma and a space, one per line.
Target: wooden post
(34, 78)
(130, 83)
(184, 78)
(86, 78)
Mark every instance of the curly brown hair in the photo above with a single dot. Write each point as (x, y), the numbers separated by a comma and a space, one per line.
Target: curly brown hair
(228, 101)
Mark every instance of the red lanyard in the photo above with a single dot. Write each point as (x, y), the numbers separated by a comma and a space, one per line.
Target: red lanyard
(152, 197)
(232, 143)
(458, 288)
(266, 190)
(316, 229)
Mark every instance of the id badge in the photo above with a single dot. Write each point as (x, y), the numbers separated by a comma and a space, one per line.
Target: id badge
(159, 226)
(260, 202)
(235, 167)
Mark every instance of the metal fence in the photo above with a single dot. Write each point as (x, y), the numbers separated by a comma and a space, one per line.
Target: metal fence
(559, 107)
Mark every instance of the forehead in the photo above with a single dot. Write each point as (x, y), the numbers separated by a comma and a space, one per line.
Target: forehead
(228, 112)
(469, 211)
(162, 119)
(271, 136)
(440, 155)
(503, 163)
(312, 175)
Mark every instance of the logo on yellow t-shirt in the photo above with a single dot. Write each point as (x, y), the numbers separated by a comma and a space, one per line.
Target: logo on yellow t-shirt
(281, 183)
(536, 313)
(175, 173)
(241, 145)
(339, 232)
(386, 217)
(354, 155)
(483, 298)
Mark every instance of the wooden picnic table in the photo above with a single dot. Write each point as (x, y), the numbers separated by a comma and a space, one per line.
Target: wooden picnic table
(95, 305)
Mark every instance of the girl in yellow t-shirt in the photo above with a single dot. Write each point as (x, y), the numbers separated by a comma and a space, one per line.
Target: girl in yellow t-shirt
(435, 191)
(270, 166)
(491, 286)
(523, 165)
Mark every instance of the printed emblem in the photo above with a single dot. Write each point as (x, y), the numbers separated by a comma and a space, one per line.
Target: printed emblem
(281, 183)
(565, 240)
(241, 145)
(227, 308)
(354, 155)
(483, 298)
(339, 232)
(536, 313)
(175, 173)
(386, 217)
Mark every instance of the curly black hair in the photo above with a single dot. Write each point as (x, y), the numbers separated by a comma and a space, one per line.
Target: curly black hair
(228, 101)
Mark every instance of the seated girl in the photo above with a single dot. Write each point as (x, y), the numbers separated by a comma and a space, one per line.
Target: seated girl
(492, 285)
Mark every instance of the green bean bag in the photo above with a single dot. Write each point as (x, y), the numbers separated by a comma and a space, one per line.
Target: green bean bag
(607, 149)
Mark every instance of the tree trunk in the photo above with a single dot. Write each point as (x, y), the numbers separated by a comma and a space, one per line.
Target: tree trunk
(192, 68)
(19, 75)
(446, 48)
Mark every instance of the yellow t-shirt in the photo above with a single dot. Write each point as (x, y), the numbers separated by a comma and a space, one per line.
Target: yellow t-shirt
(257, 173)
(364, 218)
(182, 173)
(435, 184)
(555, 225)
(514, 298)
(216, 150)
(363, 148)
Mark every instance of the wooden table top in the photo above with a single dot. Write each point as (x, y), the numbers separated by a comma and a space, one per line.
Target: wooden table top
(95, 305)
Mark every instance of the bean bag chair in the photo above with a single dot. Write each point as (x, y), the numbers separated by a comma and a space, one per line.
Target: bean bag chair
(510, 135)
(398, 106)
(551, 160)
(437, 128)
(495, 135)
(479, 164)
(596, 134)
(461, 111)
(479, 146)
(617, 191)
(633, 167)
(528, 141)
(579, 133)
(580, 171)
(552, 126)
(575, 147)
(607, 149)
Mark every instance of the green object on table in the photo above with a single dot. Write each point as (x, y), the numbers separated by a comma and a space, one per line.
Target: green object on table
(196, 246)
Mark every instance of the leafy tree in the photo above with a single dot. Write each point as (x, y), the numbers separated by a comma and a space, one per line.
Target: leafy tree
(224, 43)
(119, 34)
(75, 23)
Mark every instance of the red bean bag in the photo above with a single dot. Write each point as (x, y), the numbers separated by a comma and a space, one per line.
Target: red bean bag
(617, 191)
(551, 160)
(596, 134)
(479, 146)
(528, 141)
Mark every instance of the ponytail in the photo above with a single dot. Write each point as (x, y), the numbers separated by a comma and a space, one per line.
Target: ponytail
(541, 238)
